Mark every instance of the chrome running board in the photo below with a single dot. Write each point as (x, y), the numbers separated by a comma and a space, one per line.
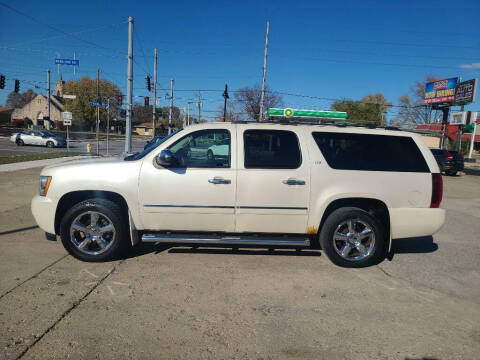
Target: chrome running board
(226, 240)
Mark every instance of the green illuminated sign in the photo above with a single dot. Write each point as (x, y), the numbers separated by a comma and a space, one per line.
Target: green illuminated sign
(306, 113)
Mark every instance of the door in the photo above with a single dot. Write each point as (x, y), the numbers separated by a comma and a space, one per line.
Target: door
(29, 138)
(198, 192)
(272, 181)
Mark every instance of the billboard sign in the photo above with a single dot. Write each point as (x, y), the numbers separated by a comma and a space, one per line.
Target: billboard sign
(465, 92)
(440, 91)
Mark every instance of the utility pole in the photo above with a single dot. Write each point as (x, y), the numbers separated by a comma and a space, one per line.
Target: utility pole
(98, 108)
(48, 99)
(445, 111)
(225, 96)
(171, 108)
(458, 145)
(188, 111)
(128, 120)
(154, 91)
(184, 117)
(199, 106)
(262, 96)
(108, 120)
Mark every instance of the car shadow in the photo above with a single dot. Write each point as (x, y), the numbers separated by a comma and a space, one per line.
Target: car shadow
(415, 245)
(146, 248)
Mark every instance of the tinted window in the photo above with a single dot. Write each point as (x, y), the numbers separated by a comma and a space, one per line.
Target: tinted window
(271, 149)
(196, 149)
(370, 152)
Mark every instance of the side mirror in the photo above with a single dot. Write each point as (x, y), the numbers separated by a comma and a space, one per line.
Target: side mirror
(165, 158)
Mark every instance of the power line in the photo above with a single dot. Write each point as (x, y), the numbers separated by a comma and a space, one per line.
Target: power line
(52, 27)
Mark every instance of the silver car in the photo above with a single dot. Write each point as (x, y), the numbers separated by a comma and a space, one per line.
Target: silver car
(38, 137)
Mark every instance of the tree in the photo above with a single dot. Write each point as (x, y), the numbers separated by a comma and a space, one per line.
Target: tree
(247, 101)
(413, 111)
(86, 90)
(362, 111)
(231, 115)
(17, 100)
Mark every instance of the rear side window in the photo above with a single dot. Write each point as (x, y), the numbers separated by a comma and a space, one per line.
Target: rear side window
(368, 152)
(271, 149)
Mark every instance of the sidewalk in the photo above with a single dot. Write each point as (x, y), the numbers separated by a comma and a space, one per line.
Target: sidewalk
(36, 163)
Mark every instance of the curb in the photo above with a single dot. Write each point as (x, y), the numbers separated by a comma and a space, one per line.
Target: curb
(472, 171)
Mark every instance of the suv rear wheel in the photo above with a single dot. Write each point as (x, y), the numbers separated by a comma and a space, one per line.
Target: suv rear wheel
(94, 230)
(352, 237)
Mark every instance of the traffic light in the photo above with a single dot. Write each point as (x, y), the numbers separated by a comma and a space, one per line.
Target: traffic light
(17, 86)
(147, 101)
(2, 81)
(149, 85)
(120, 100)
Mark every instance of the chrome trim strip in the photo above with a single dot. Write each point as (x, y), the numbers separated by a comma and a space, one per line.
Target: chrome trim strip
(227, 207)
(190, 206)
(303, 242)
(272, 207)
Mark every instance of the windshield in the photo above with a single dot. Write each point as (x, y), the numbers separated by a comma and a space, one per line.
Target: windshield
(140, 155)
(47, 133)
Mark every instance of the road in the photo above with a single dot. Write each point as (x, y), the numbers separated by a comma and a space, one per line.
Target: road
(185, 303)
(116, 146)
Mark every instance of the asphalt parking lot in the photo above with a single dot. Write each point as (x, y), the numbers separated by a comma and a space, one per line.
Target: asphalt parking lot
(115, 146)
(184, 303)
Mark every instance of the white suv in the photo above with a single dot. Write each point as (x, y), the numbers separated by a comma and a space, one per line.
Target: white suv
(348, 190)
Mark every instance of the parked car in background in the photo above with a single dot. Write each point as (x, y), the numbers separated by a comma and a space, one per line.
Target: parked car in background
(38, 137)
(219, 149)
(450, 162)
(156, 140)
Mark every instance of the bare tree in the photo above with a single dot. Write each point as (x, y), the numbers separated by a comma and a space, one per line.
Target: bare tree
(247, 101)
(17, 100)
(413, 111)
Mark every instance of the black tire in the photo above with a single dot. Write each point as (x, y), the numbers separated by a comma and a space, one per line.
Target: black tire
(340, 216)
(50, 144)
(210, 155)
(451, 172)
(120, 241)
(20, 142)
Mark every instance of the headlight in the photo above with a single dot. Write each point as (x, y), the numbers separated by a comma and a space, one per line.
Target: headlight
(44, 184)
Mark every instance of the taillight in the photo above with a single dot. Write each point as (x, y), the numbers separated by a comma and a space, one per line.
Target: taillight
(449, 156)
(437, 190)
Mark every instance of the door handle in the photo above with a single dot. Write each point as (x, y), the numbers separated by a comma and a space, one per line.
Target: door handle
(219, 181)
(293, 182)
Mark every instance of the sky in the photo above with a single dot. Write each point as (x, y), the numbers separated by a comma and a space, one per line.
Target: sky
(318, 50)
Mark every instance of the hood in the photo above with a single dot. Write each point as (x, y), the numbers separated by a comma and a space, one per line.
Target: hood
(86, 161)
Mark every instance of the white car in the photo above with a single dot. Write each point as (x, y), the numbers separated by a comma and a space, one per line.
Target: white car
(348, 190)
(38, 137)
(220, 149)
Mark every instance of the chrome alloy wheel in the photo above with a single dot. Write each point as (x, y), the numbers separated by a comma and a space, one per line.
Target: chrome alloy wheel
(354, 240)
(92, 232)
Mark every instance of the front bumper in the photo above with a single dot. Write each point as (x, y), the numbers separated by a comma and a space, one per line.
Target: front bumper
(43, 210)
(414, 222)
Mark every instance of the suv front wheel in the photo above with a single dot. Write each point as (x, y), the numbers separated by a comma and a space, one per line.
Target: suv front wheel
(94, 230)
(352, 237)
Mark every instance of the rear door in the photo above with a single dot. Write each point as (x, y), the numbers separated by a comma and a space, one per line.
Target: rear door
(272, 180)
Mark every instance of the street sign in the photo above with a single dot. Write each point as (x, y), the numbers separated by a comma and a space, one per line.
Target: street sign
(73, 62)
(440, 91)
(307, 113)
(458, 118)
(65, 96)
(67, 122)
(96, 103)
(465, 92)
(66, 115)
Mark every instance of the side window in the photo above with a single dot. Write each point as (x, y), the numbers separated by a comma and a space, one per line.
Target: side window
(346, 151)
(200, 149)
(271, 149)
